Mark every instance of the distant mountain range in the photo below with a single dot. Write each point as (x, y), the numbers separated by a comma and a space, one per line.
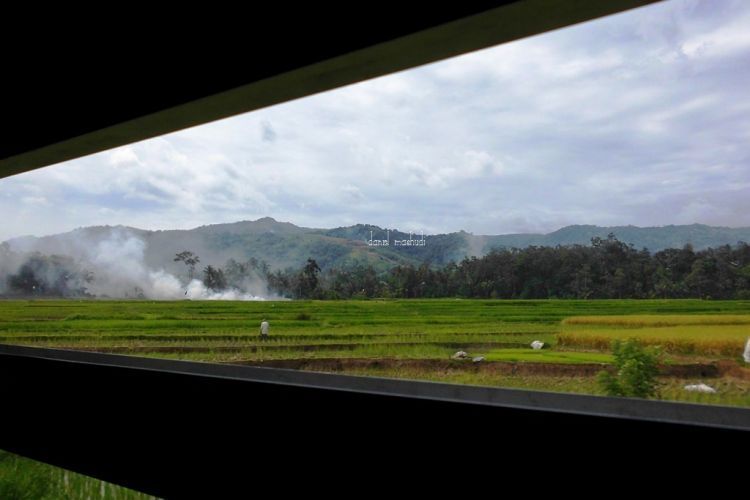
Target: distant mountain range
(282, 244)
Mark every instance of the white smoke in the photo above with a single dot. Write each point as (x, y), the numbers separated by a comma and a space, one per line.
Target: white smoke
(119, 271)
(197, 290)
(120, 268)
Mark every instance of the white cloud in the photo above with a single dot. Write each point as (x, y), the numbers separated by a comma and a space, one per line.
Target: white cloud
(727, 40)
(123, 156)
(616, 121)
(34, 201)
(353, 192)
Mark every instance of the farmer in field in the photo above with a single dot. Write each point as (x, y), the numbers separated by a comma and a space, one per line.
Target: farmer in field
(264, 326)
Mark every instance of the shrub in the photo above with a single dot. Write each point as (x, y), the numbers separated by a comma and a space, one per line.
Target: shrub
(636, 371)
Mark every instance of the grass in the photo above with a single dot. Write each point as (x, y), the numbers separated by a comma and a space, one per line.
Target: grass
(137, 341)
(543, 356)
(581, 385)
(21, 479)
(391, 351)
(665, 320)
(387, 316)
(729, 392)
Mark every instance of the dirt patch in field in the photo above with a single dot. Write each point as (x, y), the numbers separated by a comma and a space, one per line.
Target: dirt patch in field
(343, 364)
(700, 370)
(499, 367)
(730, 368)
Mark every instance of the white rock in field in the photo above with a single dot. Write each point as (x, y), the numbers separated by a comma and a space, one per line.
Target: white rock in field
(746, 354)
(537, 344)
(700, 388)
(459, 355)
(478, 359)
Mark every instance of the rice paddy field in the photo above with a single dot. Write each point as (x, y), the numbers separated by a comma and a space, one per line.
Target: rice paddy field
(710, 335)
(700, 341)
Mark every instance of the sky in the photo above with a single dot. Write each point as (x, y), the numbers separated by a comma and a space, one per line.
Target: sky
(640, 118)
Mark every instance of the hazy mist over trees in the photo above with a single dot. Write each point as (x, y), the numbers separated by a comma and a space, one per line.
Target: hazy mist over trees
(115, 263)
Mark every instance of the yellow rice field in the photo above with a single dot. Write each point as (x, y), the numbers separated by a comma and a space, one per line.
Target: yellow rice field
(657, 320)
(723, 335)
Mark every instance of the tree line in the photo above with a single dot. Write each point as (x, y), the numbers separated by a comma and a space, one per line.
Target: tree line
(607, 269)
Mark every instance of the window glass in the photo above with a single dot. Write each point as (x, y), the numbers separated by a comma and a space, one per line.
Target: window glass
(503, 218)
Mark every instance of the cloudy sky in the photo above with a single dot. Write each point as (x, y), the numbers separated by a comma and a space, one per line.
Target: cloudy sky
(641, 118)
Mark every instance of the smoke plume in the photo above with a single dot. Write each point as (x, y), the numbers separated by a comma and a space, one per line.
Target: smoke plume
(110, 264)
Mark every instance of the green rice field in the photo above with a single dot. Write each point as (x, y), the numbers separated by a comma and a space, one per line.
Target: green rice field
(412, 338)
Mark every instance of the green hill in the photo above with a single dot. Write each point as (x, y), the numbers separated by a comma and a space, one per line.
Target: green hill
(283, 245)
(654, 239)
